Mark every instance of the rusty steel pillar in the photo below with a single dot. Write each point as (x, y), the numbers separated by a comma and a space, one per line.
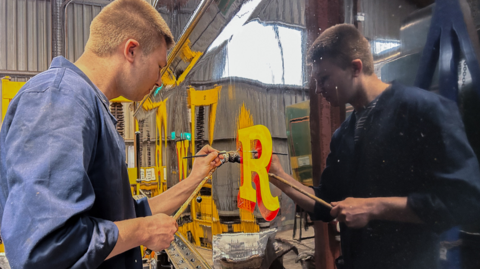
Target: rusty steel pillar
(324, 120)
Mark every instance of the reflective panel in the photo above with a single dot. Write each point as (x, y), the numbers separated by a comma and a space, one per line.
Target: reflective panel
(253, 54)
(243, 63)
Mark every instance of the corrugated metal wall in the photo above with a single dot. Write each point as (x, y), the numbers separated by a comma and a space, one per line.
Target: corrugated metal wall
(287, 11)
(383, 19)
(79, 17)
(26, 34)
(177, 19)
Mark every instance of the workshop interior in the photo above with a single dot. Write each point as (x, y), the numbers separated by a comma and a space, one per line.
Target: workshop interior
(239, 68)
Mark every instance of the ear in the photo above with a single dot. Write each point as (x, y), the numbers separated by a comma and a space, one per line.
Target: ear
(357, 67)
(131, 49)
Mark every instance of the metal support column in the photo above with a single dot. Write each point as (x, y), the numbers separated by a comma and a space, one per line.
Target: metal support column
(324, 119)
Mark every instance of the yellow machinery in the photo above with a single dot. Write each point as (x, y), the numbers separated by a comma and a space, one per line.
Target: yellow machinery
(204, 98)
(206, 222)
(182, 151)
(188, 56)
(161, 122)
(9, 90)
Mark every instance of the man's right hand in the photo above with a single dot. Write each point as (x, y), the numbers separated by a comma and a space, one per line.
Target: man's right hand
(160, 231)
(202, 166)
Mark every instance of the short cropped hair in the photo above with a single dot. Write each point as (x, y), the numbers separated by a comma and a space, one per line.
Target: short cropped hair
(125, 19)
(342, 43)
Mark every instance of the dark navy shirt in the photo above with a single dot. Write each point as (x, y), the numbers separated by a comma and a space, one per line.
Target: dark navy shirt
(63, 176)
(413, 145)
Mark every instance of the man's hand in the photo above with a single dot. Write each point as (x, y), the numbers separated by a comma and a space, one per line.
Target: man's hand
(203, 166)
(355, 212)
(160, 231)
(275, 166)
(168, 202)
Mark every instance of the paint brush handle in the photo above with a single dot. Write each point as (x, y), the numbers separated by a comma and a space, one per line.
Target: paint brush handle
(204, 155)
(185, 205)
(276, 153)
(195, 156)
(302, 191)
(195, 192)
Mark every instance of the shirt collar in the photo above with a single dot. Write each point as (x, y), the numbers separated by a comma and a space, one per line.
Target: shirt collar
(61, 62)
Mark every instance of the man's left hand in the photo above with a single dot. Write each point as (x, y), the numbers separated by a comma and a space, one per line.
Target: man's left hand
(354, 212)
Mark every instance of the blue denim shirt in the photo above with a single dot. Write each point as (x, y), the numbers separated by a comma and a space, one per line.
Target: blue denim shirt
(63, 175)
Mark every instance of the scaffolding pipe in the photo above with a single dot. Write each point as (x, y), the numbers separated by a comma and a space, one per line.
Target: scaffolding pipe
(65, 23)
(57, 28)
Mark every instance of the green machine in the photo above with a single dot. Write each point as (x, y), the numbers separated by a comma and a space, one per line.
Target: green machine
(299, 141)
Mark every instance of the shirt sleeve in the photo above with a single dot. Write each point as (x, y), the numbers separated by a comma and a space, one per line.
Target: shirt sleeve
(320, 212)
(449, 169)
(49, 143)
(142, 208)
(326, 191)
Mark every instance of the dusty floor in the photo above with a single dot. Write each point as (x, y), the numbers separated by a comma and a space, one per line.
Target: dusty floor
(289, 258)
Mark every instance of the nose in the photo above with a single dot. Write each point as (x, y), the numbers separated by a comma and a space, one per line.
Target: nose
(318, 88)
(158, 83)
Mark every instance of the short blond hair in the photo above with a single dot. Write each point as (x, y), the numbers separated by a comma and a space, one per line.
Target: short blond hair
(343, 43)
(125, 19)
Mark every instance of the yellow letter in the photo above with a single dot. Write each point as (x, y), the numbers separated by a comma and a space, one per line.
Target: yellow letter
(246, 136)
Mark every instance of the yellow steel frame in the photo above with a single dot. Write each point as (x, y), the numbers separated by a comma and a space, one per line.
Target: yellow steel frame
(188, 55)
(120, 99)
(161, 119)
(182, 151)
(204, 98)
(169, 79)
(210, 219)
(9, 90)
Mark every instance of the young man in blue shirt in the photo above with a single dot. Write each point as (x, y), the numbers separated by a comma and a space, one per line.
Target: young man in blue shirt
(65, 199)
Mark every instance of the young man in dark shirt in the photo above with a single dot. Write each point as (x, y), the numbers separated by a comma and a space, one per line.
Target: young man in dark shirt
(400, 169)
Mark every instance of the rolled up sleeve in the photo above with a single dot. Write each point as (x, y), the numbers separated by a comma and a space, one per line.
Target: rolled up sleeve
(142, 208)
(327, 190)
(320, 212)
(49, 144)
(450, 170)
